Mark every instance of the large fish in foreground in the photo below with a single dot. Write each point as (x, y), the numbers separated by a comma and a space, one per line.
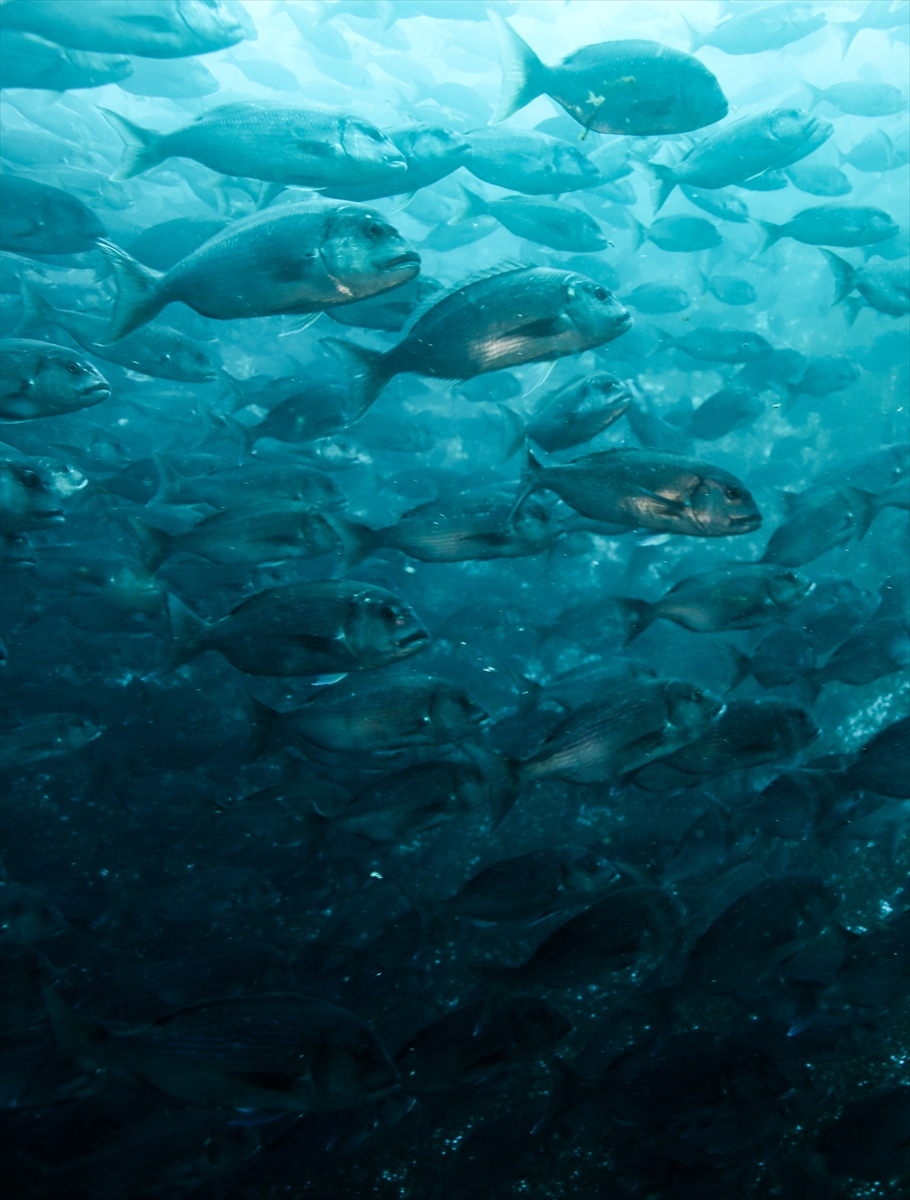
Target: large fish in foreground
(632, 87)
(531, 314)
(299, 258)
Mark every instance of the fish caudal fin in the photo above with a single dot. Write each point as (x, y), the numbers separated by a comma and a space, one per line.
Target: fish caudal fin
(143, 146)
(773, 233)
(139, 297)
(636, 615)
(662, 184)
(36, 310)
(524, 76)
(472, 206)
(368, 374)
(697, 39)
(154, 543)
(188, 634)
(844, 275)
(530, 481)
(357, 541)
(817, 94)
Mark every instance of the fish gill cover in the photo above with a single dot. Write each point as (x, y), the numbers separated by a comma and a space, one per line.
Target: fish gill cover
(453, 522)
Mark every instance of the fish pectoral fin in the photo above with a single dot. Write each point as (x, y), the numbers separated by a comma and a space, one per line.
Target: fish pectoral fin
(662, 505)
(546, 327)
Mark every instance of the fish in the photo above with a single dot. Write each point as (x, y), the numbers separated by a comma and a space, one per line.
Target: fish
(38, 219)
(297, 258)
(727, 410)
(819, 180)
(295, 1053)
(302, 629)
(872, 17)
(719, 345)
(529, 161)
(746, 734)
(683, 235)
(30, 61)
(881, 286)
(724, 206)
(466, 529)
(821, 519)
(740, 151)
(39, 379)
(729, 289)
(170, 29)
(763, 27)
(531, 314)
(154, 350)
(402, 711)
(742, 596)
(430, 153)
(863, 98)
(173, 79)
(633, 87)
(833, 225)
(876, 152)
(281, 144)
(578, 411)
(45, 737)
(558, 226)
(824, 376)
(878, 650)
(647, 489)
(658, 298)
(28, 499)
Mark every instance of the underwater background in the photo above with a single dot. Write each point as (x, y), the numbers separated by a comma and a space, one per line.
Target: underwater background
(455, 599)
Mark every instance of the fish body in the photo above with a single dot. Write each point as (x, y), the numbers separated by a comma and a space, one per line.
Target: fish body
(740, 151)
(38, 379)
(884, 286)
(819, 180)
(729, 409)
(30, 61)
(430, 153)
(303, 629)
(378, 714)
(726, 207)
(655, 298)
(549, 224)
(297, 258)
(720, 345)
(531, 314)
(748, 733)
(627, 87)
(650, 489)
(763, 27)
(38, 219)
(153, 350)
(151, 28)
(683, 235)
(579, 411)
(528, 161)
(862, 98)
(820, 520)
(876, 152)
(834, 225)
(728, 289)
(45, 737)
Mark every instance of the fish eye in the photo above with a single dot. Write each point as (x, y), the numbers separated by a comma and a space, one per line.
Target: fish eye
(375, 230)
(74, 368)
(734, 493)
(30, 479)
(697, 694)
(388, 613)
(601, 293)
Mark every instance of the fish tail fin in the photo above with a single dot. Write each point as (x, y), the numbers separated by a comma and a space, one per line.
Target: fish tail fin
(154, 543)
(188, 634)
(369, 375)
(662, 184)
(530, 481)
(504, 776)
(844, 275)
(143, 146)
(846, 31)
(514, 433)
(852, 307)
(742, 667)
(817, 93)
(664, 341)
(357, 541)
(472, 206)
(77, 1037)
(139, 297)
(638, 231)
(868, 506)
(230, 389)
(637, 616)
(697, 39)
(566, 1083)
(169, 481)
(35, 309)
(524, 76)
(773, 233)
(263, 722)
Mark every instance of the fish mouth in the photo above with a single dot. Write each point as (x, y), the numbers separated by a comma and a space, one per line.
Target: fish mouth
(411, 639)
(103, 390)
(408, 258)
(625, 322)
(746, 523)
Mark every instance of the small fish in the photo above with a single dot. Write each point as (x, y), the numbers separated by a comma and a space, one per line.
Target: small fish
(657, 298)
(38, 219)
(833, 225)
(30, 61)
(558, 226)
(683, 235)
(862, 98)
(719, 345)
(818, 180)
(729, 289)
(529, 161)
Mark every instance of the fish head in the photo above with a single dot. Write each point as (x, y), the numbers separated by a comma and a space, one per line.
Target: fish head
(373, 153)
(429, 143)
(690, 709)
(594, 310)
(337, 453)
(585, 873)
(701, 96)
(455, 714)
(791, 125)
(27, 496)
(788, 588)
(365, 255)
(352, 1067)
(73, 732)
(880, 226)
(67, 376)
(17, 553)
(213, 23)
(191, 362)
(534, 523)
(536, 1025)
(380, 628)
(722, 506)
(569, 163)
